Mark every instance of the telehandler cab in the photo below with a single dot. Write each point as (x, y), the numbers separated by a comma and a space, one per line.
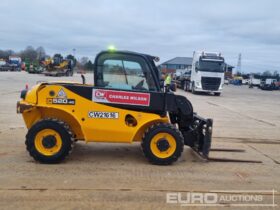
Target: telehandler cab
(126, 104)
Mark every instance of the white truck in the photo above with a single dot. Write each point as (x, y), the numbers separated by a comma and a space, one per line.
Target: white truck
(207, 74)
(269, 84)
(253, 82)
(14, 63)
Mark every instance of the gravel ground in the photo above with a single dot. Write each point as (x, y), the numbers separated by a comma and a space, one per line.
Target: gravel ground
(117, 176)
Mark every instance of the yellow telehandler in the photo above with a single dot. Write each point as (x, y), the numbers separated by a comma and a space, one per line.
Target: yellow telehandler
(126, 104)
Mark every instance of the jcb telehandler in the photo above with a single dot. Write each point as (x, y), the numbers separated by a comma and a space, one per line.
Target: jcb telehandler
(126, 104)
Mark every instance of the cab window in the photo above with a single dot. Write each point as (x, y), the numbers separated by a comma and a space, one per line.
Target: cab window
(124, 72)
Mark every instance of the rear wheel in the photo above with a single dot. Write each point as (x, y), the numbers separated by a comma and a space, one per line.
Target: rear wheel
(162, 144)
(49, 141)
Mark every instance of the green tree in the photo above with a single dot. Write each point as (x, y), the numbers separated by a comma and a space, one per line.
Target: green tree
(89, 66)
(58, 55)
(4, 54)
(71, 57)
(266, 73)
(29, 54)
(41, 53)
(84, 60)
(275, 73)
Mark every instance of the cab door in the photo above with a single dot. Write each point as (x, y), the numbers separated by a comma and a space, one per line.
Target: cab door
(125, 97)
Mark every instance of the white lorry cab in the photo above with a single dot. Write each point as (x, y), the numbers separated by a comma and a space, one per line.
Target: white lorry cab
(208, 72)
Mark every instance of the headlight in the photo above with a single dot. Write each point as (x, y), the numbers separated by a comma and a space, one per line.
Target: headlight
(197, 84)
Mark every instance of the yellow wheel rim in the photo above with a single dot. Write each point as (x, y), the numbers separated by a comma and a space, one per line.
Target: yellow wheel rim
(159, 145)
(48, 142)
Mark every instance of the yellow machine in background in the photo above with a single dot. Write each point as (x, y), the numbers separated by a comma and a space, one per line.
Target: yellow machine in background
(47, 62)
(57, 66)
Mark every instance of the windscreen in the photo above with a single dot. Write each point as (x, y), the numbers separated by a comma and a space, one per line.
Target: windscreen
(211, 66)
(124, 72)
(14, 61)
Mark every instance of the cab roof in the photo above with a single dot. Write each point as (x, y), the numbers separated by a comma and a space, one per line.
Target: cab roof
(127, 52)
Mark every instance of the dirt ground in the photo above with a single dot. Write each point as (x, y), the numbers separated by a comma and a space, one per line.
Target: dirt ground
(117, 176)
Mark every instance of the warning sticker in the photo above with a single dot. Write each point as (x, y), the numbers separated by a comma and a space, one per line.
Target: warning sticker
(121, 97)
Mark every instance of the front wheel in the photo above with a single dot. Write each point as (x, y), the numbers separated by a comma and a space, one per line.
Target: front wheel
(162, 144)
(217, 94)
(49, 141)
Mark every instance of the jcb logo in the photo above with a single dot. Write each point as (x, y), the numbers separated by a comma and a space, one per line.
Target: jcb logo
(100, 94)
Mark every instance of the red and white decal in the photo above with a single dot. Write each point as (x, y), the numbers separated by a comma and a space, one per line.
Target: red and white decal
(121, 97)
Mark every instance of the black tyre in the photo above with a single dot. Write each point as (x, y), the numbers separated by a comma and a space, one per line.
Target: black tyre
(49, 141)
(193, 91)
(182, 84)
(187, 86)
(162, 144)
(217, 94)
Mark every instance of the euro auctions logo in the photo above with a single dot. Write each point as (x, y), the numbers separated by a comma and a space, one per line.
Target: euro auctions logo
(192, 198)
(223, 198)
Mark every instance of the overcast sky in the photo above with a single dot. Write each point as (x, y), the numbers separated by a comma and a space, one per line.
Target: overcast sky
(166, 28)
